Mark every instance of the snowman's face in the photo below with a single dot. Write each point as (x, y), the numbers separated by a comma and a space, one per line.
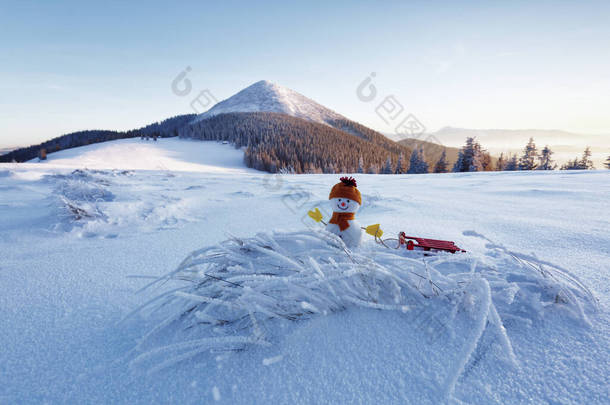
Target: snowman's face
(344, 205)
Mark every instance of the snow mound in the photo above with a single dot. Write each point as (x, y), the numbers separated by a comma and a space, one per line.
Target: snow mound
(85, 201)
(165, 154)
(264, 96)
(242, 293)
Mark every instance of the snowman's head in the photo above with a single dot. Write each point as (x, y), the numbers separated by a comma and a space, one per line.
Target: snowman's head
(344, 196)
(343, 204)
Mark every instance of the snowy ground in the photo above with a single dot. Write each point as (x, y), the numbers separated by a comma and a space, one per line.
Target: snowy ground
(69, 242)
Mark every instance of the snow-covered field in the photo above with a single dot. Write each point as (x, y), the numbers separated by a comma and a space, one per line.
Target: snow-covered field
(75, 230)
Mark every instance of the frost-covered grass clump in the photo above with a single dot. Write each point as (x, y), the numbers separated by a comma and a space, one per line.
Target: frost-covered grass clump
(80, 195)
(85, 200)
(240, 292)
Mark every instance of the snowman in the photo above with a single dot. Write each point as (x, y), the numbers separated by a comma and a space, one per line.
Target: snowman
(345, 200)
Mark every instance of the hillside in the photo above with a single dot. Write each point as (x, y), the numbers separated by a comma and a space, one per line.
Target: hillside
(278, 142)
(432, 151)
(165, 154)
(163, 128)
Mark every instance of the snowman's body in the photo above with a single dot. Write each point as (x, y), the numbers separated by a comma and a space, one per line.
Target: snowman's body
(352, 234)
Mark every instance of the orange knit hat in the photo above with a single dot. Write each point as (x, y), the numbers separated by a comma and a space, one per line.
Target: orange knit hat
(346, 189)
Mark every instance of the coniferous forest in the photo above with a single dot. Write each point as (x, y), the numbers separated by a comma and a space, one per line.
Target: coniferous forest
(277, 142)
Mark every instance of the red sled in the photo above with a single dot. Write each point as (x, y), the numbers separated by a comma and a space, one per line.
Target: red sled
(411, 242)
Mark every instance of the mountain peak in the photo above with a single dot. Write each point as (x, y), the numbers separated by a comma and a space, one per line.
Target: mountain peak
(266, 96)
(263, 83)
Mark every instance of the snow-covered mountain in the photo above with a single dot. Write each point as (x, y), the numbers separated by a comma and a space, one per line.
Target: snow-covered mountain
(265, 96)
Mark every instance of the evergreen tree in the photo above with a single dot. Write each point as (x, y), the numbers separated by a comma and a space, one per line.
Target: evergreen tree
(571, 165)
(607, 164)
(486, 160)
(387, 169)
(417, 164)
(585, 162)
(546, 163)
(399, 166)
(459, 163)
(413, 162)
(501, 164)
(512, 164)
(360, 165)
(372, 169)
(442, 164)
(423, 165)
(472, 158)
(477, 163)
(528, 159)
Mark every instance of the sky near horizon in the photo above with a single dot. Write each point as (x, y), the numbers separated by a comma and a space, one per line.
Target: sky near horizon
(67, 66)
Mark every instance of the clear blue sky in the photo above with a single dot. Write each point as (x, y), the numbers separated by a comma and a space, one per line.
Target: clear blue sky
(66, 65)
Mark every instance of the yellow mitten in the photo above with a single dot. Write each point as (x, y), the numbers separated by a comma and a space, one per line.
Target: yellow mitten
(374, 230)
(316, 215)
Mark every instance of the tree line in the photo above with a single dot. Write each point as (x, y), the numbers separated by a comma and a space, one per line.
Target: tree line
(163, 129)
(473, 158)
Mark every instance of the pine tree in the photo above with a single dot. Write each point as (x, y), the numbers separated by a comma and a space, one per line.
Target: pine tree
(486, 159)
(360, 165)
(442, 164)
(512, 164)
(572, 165)
(607, 164)
(501, 164)
(472, 158)
(387, 169)
(585, 162)
(417, 164)
(413, 162)
(372, 169)
(477, 163)
(546, 163)
(399, 166)
(528, 159)
(423, 165)
(459, 163)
